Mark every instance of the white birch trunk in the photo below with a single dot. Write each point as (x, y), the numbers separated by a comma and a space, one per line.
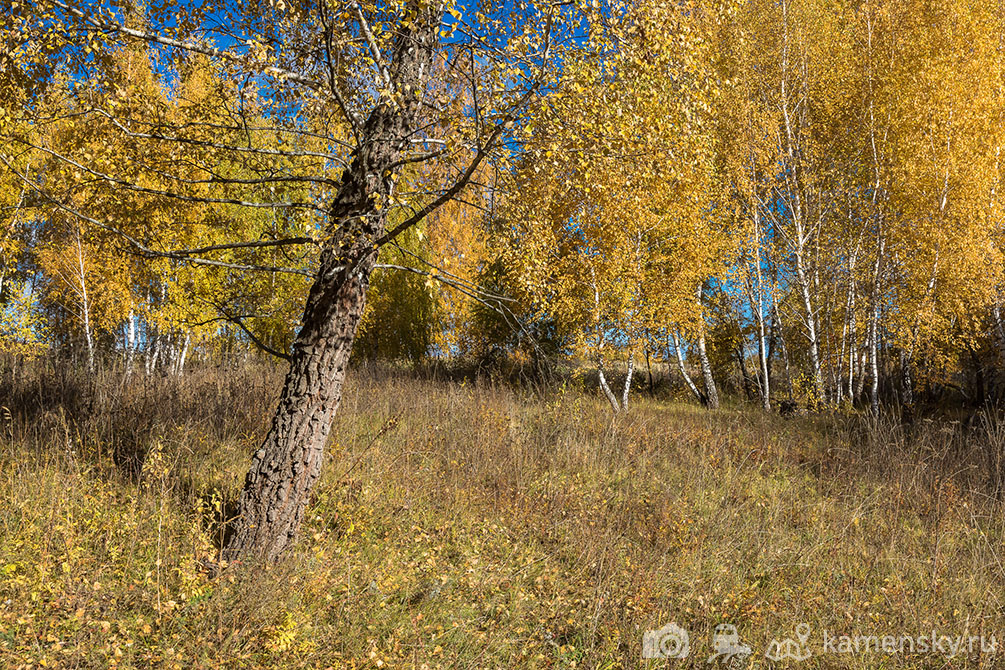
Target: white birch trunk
(706, 367)
(182, 355)
(628, 382)
(130, 343)
(85, 306)
(606, 388)
(683, 370)
(874, 361)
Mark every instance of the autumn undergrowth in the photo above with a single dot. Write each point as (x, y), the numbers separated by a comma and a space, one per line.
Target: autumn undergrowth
(479, 525)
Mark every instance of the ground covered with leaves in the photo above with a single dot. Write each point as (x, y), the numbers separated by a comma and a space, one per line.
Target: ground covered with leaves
(474, 525)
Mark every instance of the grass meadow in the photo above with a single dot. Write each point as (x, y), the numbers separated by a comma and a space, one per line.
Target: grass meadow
(477, 524)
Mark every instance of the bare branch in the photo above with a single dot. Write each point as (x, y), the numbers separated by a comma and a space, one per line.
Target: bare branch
(416, 158)
(447, 195)
(166, 194)
(215, 145)
(339, 99)
(239, 322)
(141, 248)
(243, 245)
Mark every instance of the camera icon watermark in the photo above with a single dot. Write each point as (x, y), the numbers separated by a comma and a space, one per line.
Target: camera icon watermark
(670, 641)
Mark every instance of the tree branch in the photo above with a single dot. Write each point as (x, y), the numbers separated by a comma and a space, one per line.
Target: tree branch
(167, 194)
(270, 70)
(141, 248)
(233, 318)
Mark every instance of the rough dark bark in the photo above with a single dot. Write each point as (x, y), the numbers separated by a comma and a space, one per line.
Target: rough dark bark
(288, 463)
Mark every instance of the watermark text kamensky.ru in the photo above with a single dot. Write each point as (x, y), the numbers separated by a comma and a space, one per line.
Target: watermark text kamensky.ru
(803, 645)
(673, 642)
(932, 642)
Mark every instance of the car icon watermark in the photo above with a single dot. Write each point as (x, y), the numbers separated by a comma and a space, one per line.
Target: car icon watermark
(726, 644)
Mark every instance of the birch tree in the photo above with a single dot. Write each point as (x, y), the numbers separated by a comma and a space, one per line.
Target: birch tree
(357, 92)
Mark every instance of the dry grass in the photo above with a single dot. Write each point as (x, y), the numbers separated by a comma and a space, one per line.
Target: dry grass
(474, 525)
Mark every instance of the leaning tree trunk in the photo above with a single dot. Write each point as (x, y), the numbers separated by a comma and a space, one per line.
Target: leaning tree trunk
(288, 464)
(683, 370)
(605, 387)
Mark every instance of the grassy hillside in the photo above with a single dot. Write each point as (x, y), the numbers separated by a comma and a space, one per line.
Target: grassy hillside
(473, 525)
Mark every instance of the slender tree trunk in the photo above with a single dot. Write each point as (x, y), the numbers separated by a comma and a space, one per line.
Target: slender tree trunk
(706, 367)
(999, 323)
(85, 305)
(741, 356)
(839, 387)
(785, 351)
(628, 382)
(874, 360)
(794, 112)
(130, 343)
(812, 335)
(605, 387)
(772, 339)
(874, 325)
(906, 378)
(148, 363)
(852, 346)
(649, 369)
(683, 370)
(862, 363)
(848, 331)
(288, 464)
(764, 388)
(706, 372)
(762, 357)
(179, 366)
(999, 328)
